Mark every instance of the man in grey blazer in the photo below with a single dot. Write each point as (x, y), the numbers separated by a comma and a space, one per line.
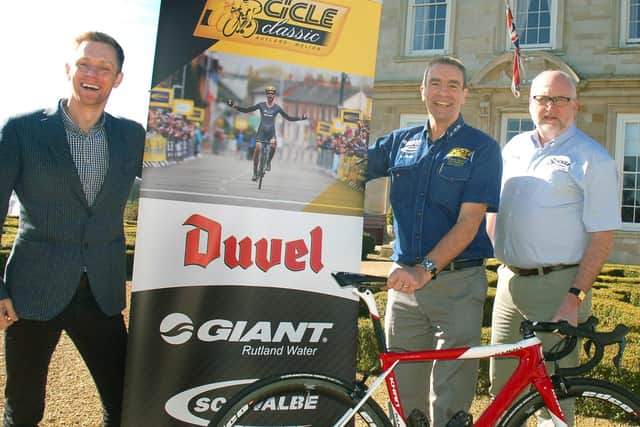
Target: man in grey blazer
(72, 168)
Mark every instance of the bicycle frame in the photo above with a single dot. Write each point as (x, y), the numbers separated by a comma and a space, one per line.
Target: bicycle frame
(531, 370)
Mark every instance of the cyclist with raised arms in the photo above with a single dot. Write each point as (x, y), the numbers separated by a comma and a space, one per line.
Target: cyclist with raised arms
(267, 129)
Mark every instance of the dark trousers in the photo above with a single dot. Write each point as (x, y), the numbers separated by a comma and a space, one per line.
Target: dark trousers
(29, 345)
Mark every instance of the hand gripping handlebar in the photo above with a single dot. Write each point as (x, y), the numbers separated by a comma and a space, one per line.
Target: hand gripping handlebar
(597, 340)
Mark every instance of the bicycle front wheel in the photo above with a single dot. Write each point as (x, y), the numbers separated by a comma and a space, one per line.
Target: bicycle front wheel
(297, 400)
(262, 166)
(598, 403)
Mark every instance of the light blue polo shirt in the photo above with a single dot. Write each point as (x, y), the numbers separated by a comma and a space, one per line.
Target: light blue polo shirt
(552, 197)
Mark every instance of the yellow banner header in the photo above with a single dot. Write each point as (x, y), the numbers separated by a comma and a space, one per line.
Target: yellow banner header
(340, 35)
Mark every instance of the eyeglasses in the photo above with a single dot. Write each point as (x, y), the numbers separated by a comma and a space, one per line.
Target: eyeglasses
(560, 101)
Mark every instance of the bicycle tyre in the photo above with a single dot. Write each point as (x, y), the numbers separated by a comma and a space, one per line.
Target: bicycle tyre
(262, 166)
(245, 407)
(596, 401)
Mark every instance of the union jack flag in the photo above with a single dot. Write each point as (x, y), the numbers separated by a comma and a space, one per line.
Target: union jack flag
(515, 40)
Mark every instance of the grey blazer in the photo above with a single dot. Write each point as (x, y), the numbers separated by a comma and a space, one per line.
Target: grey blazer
(59, 234)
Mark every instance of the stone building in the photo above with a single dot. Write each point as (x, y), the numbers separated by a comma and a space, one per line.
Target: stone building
(597, 42)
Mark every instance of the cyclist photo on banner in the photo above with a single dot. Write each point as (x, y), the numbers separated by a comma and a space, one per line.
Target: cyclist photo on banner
(267, 129)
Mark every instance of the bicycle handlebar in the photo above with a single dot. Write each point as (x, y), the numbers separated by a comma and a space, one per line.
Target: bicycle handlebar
(599, 340)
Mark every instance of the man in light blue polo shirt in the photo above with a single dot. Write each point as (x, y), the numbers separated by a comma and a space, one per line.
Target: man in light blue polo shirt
(559, 207)
(445, 176)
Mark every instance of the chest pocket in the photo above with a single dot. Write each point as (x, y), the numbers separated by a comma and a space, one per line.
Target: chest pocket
(455, 168)
(448, 186)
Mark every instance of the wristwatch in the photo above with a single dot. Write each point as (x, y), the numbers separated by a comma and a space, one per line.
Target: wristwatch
(579, 293)
(429, 265)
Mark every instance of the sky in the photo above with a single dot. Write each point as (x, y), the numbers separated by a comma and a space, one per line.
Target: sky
(35, 36)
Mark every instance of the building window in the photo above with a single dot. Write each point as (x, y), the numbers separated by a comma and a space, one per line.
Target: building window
(535, 22)
(513, 124)
(628, 156)
(411, 120)
(428, 26)
(630, 22)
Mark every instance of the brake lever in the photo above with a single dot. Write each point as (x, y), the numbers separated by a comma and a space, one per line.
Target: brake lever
(617, 359)
(587, 347)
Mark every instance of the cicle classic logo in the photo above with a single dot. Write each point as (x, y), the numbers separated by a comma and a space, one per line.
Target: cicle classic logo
(176, 328)
(300, 25)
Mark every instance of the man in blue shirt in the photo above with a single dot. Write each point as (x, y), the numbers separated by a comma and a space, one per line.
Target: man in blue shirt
(445, 176)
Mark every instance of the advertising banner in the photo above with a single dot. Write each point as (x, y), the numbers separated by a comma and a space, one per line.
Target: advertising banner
(233, 257)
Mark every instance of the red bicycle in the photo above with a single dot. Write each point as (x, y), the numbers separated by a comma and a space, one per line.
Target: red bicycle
(317, 399)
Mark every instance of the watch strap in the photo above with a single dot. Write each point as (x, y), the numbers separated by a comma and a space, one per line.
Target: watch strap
(579, 293)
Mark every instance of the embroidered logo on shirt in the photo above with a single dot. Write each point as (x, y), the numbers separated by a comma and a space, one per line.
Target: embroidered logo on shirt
(455, 129)
(410, 146)
(458, 156)
(561, 163)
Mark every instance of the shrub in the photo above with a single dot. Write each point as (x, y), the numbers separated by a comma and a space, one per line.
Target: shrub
(492, 278)
(367, 353)
(390, 217)
(368, 245)
(492, 264)
(131, 211)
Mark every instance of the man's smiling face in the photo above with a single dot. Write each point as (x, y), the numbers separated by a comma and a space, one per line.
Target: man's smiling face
(443, 93)
(93, 72)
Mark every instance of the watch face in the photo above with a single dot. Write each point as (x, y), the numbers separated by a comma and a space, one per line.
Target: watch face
(429, 265)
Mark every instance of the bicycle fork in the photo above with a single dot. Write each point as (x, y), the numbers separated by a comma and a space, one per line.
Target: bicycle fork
(352, 411)
(545, 387)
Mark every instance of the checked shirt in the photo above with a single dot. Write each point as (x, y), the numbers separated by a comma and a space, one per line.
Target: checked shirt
(90, 154)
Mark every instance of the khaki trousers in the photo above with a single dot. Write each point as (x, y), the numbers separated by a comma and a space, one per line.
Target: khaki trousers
(446, 313)
(533, 298)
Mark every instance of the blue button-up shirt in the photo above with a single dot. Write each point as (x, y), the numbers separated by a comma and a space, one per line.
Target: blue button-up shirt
(431, 179)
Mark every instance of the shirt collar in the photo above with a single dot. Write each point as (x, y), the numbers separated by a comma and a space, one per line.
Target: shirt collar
(560, 139)
(451, 130)
(72, 127)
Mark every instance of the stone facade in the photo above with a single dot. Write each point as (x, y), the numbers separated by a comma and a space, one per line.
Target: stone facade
(586, 44)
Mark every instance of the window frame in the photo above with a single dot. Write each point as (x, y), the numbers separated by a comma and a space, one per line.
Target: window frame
(410, 32)
(554, 31)
(625, 40)
(407, 120)
(621, 120)
(504, 120)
